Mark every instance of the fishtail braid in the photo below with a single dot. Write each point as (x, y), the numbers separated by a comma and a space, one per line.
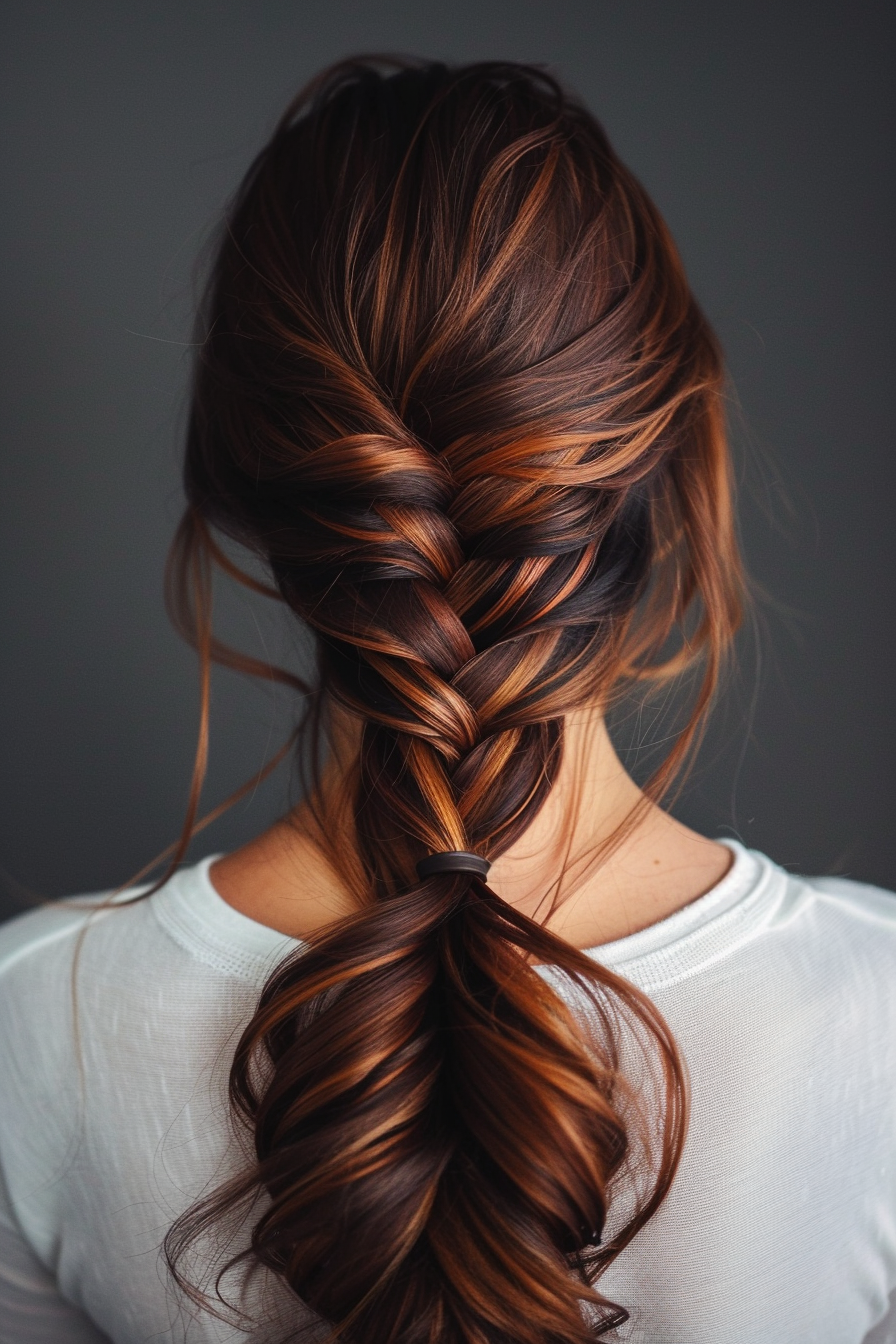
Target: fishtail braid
(459, 398)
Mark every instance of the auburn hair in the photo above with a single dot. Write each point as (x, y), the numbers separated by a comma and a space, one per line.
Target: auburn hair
(453, 389)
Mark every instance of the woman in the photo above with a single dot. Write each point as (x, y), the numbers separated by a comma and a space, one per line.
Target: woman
(531, 1061)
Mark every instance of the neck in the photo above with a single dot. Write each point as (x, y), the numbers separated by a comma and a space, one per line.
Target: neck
(592, 805)
(599, 861)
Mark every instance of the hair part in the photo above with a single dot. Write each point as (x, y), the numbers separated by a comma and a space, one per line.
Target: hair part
(453, 389)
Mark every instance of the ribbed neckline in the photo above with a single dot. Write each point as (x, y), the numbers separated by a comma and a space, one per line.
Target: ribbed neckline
(190, 909)
(707, 929)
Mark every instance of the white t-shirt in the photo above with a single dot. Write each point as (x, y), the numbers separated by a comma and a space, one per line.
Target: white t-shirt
(781, 1224)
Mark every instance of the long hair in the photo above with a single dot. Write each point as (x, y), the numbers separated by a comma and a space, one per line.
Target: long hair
(454, 391)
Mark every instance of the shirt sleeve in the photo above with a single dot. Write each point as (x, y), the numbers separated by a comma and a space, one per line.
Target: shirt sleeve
(885, 1330)
(32, 1310)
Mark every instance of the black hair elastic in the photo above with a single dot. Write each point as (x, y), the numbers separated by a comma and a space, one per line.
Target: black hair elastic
(453, 861)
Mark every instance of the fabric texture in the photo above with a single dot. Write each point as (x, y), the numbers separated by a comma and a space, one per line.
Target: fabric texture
(780, 1226)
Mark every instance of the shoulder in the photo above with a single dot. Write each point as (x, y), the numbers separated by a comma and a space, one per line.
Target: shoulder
(103, 997)
(858, 922)
(133, 956)
(834, 939)
(26, 936)
(50, 956)
(855, 900)
(37, 953)
(51, 932)
(86, 955)
(848, 916)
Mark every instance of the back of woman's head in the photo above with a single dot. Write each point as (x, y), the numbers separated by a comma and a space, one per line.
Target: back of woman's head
(455, 391)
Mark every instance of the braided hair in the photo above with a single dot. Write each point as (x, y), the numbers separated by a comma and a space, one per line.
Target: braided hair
(455, 392)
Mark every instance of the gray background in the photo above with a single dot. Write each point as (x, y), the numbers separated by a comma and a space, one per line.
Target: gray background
(764, 132)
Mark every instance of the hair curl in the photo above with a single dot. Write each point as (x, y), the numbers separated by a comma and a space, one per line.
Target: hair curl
(454, 389)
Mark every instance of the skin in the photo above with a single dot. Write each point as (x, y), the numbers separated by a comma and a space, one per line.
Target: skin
(283, 879)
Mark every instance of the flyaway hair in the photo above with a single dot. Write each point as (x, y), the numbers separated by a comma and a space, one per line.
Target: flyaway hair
(454, 391)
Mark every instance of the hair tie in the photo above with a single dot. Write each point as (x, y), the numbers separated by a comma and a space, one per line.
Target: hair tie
(453, 861)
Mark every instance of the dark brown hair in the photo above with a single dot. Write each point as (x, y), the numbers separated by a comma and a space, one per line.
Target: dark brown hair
(455, 392)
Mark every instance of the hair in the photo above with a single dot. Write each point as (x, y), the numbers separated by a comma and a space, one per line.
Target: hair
(454, 391)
